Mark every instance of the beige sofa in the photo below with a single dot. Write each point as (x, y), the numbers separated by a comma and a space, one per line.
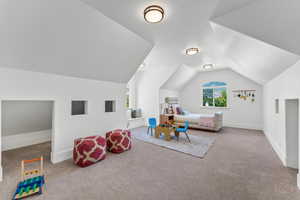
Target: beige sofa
(212, 122)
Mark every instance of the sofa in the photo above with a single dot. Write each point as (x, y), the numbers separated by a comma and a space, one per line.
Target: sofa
(211, 122)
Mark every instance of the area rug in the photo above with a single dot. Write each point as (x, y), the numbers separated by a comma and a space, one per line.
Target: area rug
(198, 147)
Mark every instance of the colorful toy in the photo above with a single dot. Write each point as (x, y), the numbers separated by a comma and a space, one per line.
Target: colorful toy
(33, 184)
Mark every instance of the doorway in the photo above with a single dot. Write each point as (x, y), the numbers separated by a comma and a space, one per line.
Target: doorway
(292, 132)
(27, 131)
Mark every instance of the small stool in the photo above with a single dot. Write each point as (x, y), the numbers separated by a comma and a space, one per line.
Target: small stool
(89, 150)
(118, 140)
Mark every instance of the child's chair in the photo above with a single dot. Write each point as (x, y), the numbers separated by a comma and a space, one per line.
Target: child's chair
(152, 125)
(184, 130)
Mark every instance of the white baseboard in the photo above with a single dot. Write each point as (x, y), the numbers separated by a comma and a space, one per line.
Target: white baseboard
(62, 155)
(292, 163)
(1, 173)
(244, 126)
(25, 139)
(277, 149)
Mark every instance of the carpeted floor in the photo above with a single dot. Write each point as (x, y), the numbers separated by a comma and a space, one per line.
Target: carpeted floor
(241, 165)
(198, 146)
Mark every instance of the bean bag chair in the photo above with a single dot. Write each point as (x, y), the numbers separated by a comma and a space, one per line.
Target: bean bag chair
(89, 150)
(118, 140)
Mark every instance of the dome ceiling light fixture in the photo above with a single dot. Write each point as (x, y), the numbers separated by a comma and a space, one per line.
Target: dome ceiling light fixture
(192, 51)
(154, 14)
(208, 66)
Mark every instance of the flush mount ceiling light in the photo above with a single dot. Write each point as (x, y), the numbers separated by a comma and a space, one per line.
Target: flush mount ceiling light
(154, 14)
(192, 51)
(208, 66)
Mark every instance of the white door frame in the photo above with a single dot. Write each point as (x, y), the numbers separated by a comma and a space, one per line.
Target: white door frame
(298, 175)
(52, 131)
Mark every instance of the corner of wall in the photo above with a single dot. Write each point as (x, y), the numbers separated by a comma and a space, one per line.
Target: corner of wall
(298, 180)
(61, 156)
(243, 125)
(277, 149)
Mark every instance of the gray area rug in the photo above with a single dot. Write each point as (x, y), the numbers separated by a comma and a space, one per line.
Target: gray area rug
(198, 147)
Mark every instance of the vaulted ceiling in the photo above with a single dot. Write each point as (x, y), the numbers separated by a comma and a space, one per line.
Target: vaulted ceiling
(68, 37)
(273, 21)
(197, 23)
(108, 40)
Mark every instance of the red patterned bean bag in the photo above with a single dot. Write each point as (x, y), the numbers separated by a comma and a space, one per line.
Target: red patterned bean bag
(118, 140)
(89, 150)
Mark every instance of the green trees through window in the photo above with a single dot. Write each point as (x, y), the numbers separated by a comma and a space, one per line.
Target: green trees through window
(214, 94)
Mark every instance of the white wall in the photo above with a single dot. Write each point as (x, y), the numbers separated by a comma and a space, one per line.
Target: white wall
(25, 116)
(148, 88)
(241, 114)
(285, 86)
(132, 87)
(25, 139)
(163, 93)
(24, 85)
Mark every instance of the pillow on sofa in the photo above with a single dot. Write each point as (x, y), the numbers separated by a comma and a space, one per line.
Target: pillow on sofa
(174, 109)
(179, 111)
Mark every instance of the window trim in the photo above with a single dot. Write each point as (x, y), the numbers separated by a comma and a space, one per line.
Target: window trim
(216, 87)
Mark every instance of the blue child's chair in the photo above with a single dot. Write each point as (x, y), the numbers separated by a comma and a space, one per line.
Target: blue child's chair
(152, 125)
(184, 130)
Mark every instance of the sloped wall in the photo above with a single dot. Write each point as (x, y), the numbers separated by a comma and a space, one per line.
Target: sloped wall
(68, 37)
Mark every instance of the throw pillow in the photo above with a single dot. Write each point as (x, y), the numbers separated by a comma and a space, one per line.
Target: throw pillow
(179, 111)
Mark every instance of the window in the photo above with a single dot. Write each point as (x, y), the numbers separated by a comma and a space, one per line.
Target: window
(79, 107)
(110, 106)
(276, 106)
(127, 101)
(214, 94)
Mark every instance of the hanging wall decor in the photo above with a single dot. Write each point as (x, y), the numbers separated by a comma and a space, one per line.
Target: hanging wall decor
(244, 94)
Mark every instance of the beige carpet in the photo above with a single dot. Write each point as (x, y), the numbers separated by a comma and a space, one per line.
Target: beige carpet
(241, 165)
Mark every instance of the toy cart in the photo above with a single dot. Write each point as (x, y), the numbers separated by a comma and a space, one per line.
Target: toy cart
(32, 181)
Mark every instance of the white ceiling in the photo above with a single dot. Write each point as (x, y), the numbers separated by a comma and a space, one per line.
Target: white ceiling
(67, 37)
(258, 60)
(226, 6)
(108, 40)
(187, 24)
(272, 21)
